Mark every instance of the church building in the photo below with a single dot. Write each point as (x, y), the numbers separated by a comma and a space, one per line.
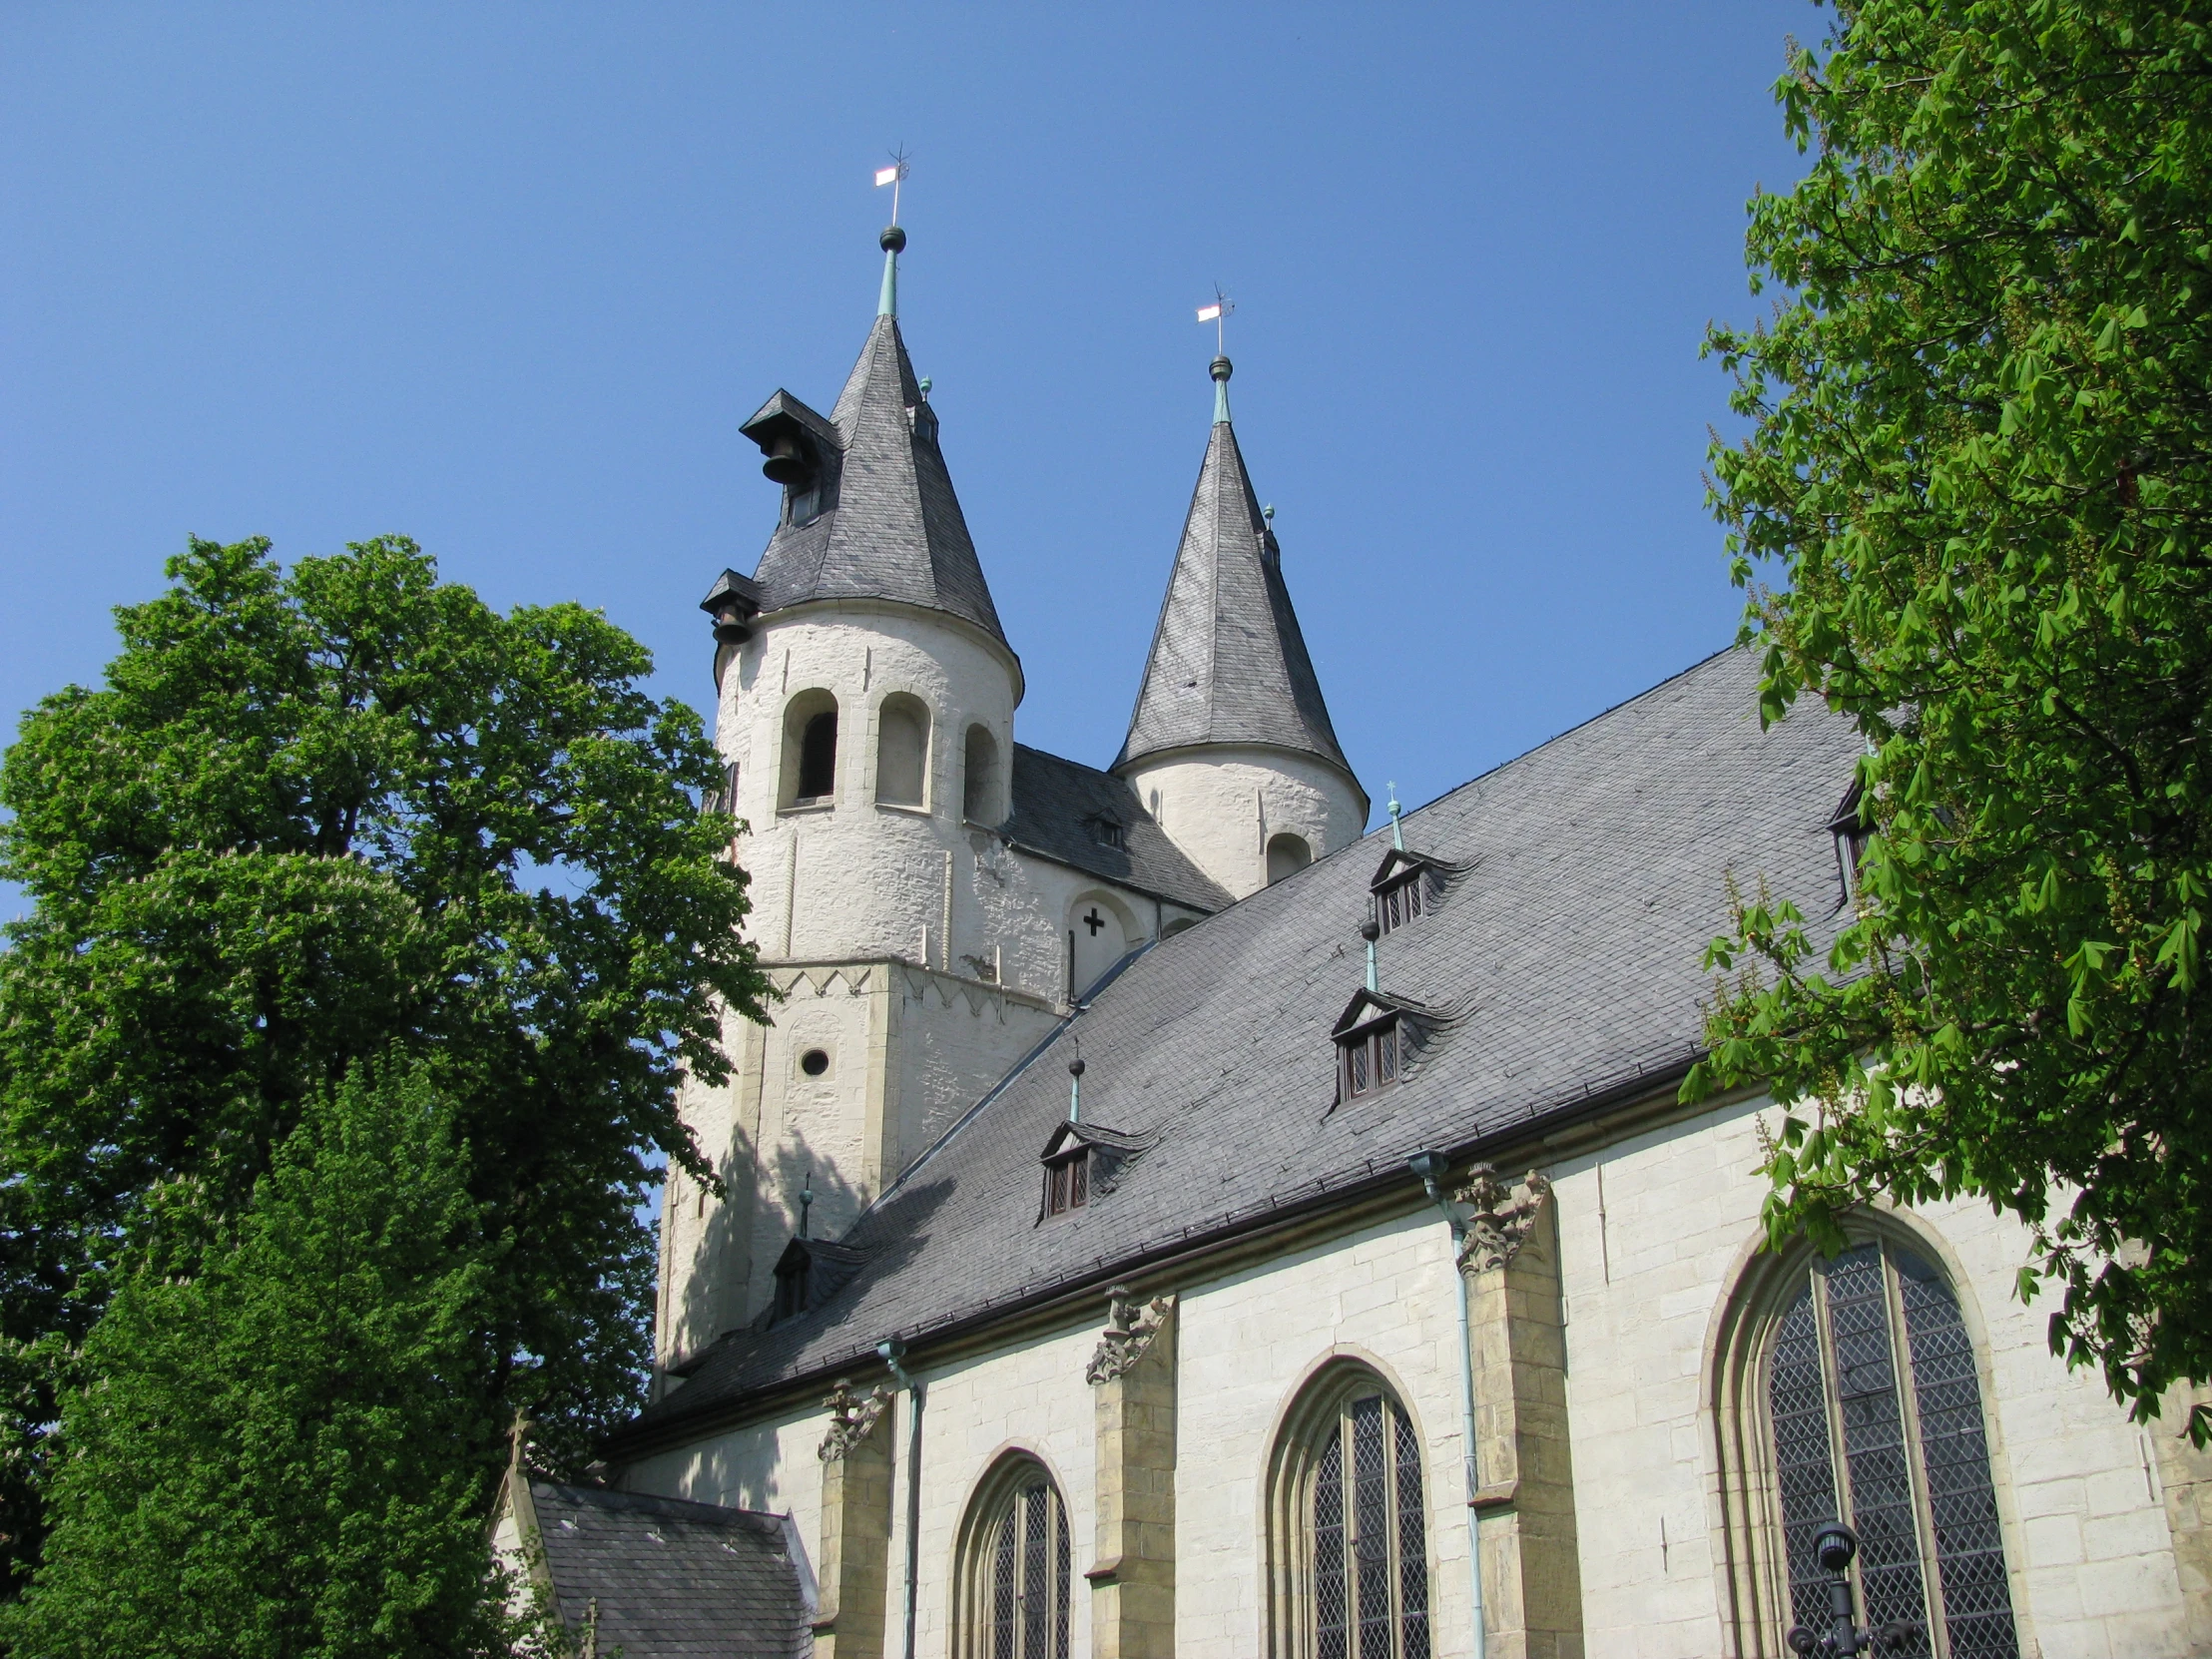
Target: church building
(1167, 1217)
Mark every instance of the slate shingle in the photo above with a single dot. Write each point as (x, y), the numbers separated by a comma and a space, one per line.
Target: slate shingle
(1057, 805)
(896, 531)
(1566, 957)
(671, 1579)
(1229, 661)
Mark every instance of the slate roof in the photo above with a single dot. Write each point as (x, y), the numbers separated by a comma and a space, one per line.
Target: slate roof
(1566, 958)
(1228, 663)
(673, 1580)
(1058, 803)
(896, 530)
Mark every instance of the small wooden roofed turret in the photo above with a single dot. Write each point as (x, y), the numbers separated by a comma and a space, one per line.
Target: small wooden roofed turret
(795, 440)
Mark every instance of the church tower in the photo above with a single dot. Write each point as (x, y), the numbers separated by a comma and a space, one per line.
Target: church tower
(865, 707)
(1230, 748)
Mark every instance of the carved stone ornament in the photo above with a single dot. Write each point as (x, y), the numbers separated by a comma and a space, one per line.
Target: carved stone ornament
(1129, 1332)
(1504, 1216)
(852, 1419)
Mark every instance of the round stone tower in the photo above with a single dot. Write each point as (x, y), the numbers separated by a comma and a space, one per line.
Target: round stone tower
(866, 709)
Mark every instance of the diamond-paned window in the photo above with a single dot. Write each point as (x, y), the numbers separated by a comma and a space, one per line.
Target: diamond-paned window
(1022, 1579)
(1876, 1411)
(1369, 1572)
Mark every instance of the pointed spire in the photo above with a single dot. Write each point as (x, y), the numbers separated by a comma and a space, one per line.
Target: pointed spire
(1228, 662)
(883, 521)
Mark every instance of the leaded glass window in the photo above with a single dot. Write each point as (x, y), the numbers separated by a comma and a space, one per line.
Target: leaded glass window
(1369, 1572)
(1022, 1591)
(1876, 1411)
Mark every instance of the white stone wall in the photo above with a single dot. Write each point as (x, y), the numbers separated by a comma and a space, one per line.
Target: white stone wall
(922, 953)
(1247, 1343)
(1221, 805)
(2085, 1523)
(2086, 1531)
(858, 880)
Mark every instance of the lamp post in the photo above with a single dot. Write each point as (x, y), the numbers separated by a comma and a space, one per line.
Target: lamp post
(1833, 1546)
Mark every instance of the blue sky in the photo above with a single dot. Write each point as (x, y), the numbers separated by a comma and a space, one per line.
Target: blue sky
(506, 278)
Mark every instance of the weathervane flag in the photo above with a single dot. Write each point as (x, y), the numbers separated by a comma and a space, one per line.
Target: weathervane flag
(893, 176)
(1217, 313)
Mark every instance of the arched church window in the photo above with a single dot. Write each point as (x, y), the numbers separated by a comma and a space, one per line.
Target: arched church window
(810, 751)
(1015, 1567)
(1350, 1537)
(980, 789)
(902, 750)
(1287, 855)
(1874, 1409)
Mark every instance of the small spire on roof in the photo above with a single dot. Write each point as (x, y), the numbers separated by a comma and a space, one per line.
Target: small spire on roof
(1397, 830)
(1075, 1088)
(1371, 930)
(806, 1199)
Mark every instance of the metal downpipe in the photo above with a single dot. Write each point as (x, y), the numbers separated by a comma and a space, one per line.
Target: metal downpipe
(892, 1351)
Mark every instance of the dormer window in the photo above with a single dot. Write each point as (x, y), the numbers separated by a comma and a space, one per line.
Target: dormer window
(1375, 1037)
(1067, 1180)
(1851, 836)
(790, 1286)
(1406, 884)
(1082, 1163)
(1108, 832)
(1399, 903)
(1367, 1059)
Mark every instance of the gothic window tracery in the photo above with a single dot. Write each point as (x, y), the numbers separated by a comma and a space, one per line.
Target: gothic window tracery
(1874, 1408)
(1016, 1567)
(1350, 1567)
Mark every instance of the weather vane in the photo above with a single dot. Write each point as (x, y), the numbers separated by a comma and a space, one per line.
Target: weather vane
(1217, 313)
(894, 176)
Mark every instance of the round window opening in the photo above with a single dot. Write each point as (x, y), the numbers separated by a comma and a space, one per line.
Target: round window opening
(815, 1061)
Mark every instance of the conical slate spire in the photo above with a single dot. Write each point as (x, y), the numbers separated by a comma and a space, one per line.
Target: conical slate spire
(1228, 664)
(885, 523)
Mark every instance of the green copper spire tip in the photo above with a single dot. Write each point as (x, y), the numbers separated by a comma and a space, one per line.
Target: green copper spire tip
(893, 239)
(1221, 370)
(1398, 832)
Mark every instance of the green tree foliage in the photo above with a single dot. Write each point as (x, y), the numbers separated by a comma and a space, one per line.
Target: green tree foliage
(313, 815)
(1983, 461)
(263, 1467)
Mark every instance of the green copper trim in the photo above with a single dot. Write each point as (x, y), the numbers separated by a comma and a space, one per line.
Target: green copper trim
(888, 305)
(1220, 402)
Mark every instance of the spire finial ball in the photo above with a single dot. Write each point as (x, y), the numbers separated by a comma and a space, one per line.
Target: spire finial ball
(893, 239)
(1075, 1066)
(1370, 930)
(1221, 368)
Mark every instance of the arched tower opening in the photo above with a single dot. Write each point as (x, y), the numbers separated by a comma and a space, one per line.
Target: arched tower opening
(903, 751)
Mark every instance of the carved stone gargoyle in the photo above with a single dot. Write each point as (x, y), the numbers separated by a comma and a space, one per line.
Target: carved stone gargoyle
(852, 1419)
(1129, 1332)
(1503, 1217)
